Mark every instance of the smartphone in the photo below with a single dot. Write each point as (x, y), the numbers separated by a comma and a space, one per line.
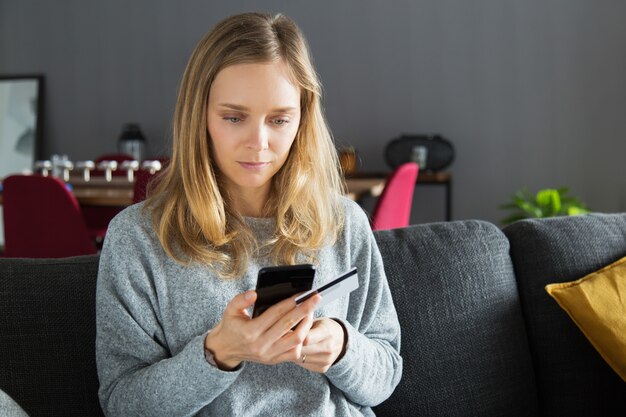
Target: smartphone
(275, 283)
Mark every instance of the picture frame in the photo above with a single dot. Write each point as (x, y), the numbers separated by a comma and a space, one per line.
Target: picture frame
(21, 122)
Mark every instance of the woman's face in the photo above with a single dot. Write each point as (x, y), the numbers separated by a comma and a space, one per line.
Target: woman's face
(253, 117)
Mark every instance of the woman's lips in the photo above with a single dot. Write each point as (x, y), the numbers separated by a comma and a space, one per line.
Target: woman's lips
(254, 166)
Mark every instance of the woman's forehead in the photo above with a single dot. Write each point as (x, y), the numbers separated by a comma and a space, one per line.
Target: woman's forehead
(255, 85)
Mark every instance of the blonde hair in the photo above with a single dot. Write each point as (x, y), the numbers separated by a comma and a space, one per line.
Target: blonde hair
(190, 207)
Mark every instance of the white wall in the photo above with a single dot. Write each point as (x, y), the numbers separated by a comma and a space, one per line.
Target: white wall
(531, 92)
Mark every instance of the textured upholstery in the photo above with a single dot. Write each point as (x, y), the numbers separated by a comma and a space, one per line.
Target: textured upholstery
(467, 350)
(47, 328)
(463, 339)
(572, 377)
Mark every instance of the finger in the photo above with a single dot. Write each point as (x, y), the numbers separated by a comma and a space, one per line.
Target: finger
(279, 311)
(316, 350)
(318, 333)
(293, 317)
(293, 339)
(268, 338)
(240, 303)
(315, 335)
(270, 316)
(304, 327)
(313, 362)
(310, 367)
(310, 358)
(281, 308)
(290, 355)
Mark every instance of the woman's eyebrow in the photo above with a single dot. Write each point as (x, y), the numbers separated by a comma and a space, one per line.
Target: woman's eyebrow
(287, 109)
(234, 106)
(246, 109)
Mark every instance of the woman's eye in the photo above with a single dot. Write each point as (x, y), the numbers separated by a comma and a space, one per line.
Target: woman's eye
(233, 120)
(280, 122)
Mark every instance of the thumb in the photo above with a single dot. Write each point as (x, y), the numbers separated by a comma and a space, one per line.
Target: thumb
(241, 302)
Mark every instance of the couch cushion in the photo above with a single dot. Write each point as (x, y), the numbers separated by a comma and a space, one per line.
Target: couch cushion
(572, 377)
(48, 328)
(464, 344)
(597, 304)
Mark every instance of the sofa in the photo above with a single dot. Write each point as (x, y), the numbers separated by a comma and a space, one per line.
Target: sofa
(480, 336)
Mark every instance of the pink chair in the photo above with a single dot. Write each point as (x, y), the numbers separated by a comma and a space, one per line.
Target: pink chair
(42, 219)
(393, 208)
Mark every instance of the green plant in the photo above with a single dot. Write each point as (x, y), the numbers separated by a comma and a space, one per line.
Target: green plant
(548, 202)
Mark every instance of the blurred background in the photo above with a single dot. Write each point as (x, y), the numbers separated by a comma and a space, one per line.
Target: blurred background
(532, 93)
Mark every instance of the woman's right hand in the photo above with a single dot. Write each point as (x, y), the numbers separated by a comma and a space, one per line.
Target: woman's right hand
(267, 339)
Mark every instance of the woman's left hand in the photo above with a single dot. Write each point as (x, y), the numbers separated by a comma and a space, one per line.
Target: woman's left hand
(322, 346)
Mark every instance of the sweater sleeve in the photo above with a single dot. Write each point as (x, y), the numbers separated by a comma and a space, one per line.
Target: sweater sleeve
(138, 374)
(371, 367)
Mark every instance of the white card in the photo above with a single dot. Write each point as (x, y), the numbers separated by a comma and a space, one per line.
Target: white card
(330, 291)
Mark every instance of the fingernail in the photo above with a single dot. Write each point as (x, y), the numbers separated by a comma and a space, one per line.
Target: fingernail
(248, 296)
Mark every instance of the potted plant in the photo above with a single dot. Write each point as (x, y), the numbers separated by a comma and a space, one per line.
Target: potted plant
(548, 202)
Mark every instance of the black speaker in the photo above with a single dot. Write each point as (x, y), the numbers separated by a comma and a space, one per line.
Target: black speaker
(438, 152)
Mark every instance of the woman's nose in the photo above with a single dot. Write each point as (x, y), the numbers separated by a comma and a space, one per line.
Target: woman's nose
(258, 139)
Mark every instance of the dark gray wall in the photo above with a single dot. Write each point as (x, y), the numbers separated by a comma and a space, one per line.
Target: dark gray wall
(531, 92)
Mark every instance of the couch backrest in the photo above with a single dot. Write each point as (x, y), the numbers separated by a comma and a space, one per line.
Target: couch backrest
(47, 335)
(463, 337)
(572, 378)
(464, 343)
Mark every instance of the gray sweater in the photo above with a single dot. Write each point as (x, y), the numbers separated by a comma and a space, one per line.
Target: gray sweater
(153, 315)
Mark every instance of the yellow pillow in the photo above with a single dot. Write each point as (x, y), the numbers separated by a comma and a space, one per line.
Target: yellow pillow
(597, 304)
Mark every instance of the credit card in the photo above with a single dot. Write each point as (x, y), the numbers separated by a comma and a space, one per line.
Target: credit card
(330, 291)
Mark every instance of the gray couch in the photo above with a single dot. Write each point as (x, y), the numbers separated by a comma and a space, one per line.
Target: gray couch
(480, 335)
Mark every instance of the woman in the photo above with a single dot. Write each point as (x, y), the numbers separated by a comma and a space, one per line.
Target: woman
(253, 181)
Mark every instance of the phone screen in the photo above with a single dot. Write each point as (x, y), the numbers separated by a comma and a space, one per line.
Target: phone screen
(275, 283)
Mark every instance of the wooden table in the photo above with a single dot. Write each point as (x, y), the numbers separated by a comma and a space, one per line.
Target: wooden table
(119, 191)
(99, 192)
(359, 188)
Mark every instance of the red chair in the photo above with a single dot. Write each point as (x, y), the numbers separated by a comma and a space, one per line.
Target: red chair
(42, 219)
(393, 208)
(142, 181)
(144, 178)
(97, 218)
(117, 157)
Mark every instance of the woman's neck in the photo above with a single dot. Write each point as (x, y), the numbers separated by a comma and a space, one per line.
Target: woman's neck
(250, 202)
